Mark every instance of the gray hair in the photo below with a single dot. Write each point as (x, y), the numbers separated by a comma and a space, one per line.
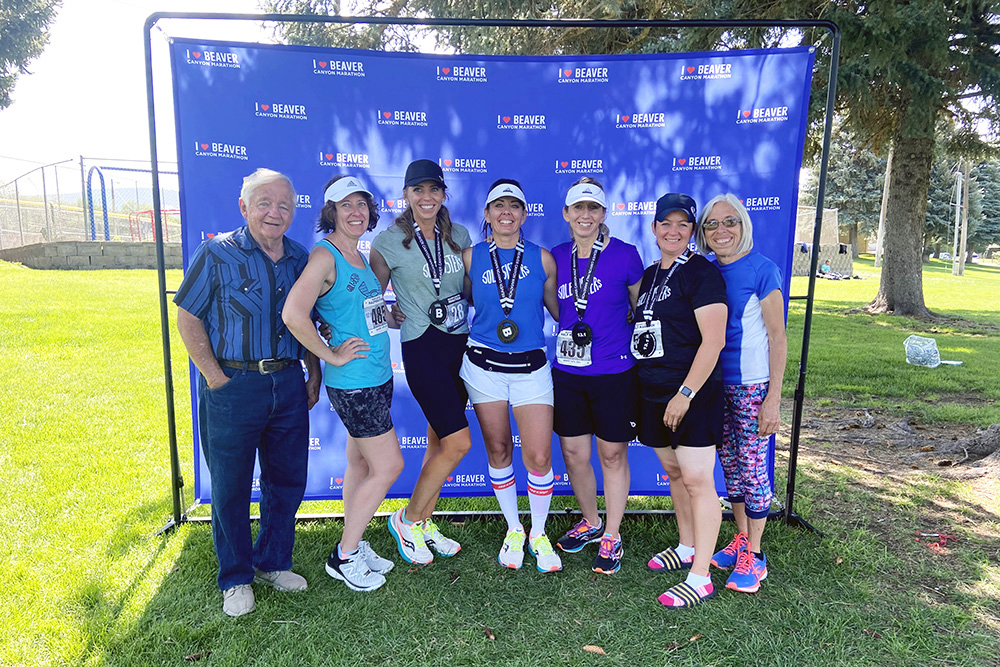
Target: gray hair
(746, 237)
(262, 176)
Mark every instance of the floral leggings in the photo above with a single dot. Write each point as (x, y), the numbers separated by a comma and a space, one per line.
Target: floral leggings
(744, 455)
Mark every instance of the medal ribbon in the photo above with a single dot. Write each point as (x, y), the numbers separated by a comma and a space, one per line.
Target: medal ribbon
(435, 265)
(504, 290)
(581, 290)
(647, 311)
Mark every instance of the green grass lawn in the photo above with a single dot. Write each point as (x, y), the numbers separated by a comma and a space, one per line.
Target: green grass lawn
(85, 467)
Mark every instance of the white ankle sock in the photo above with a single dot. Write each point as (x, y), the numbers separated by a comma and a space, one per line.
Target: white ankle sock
(695, 580)
(684, 551)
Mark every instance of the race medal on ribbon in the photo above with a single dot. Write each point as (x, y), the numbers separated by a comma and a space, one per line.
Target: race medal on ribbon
(375, 315)
(647, 340)
(568, 353)
(582, 334)
(507, 331)
(457, 310)
(438, 312)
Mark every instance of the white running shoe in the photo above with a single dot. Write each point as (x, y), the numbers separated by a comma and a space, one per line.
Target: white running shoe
(546, 559)
(353, 571)
(409, 540)
(445, 546)
(512, 551)
(375, 562)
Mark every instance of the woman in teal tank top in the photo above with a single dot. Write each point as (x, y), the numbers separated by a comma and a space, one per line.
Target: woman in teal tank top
(340, 284)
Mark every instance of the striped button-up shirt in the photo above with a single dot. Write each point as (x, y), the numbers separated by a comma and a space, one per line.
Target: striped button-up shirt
(238, 292)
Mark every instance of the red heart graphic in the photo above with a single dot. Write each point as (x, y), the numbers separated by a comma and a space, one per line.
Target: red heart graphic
(339, 480)
(683, 160)
(196, 54)
(621, 207)
(394, 364)
(564, 164)
(625, 118)
(387, 114)
(390, 202)
(664, 477)
(567, 72)
(746, 114)
(450, 478)
(558, 477)
(204, 147)
(690, 70)
(265, 107)
(209, 235)
(328, 156)
(322, 63)
(445, 69)
(506, 119)
(447, 163)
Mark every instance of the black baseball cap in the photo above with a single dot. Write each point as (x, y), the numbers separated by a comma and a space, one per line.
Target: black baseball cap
(675, 201)
(423, 170)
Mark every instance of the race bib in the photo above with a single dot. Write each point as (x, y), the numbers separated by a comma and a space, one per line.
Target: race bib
(375, 315)
(568, 353)
(647, 342)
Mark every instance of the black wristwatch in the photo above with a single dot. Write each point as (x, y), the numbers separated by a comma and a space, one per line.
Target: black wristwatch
(686, 391)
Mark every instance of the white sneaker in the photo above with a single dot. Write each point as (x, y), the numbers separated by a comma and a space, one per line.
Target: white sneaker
(375, 562)
(546, 559)
(353, 571)
(285, 581)
(512, 551)
(445, 546)
(238, 600)
(409, 540)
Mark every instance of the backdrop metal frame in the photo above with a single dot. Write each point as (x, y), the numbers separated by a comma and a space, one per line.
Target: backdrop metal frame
(787, 513)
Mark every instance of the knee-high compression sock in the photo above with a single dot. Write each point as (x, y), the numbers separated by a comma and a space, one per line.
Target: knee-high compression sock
(502, 480)
(539, 499)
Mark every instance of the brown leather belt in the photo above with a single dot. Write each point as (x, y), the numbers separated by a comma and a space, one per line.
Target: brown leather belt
(264, 366)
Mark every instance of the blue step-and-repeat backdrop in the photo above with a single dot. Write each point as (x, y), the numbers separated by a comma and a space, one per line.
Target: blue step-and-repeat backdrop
(643, 125)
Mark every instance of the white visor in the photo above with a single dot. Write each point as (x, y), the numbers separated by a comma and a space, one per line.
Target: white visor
(344, 187)
(505, 190)
(585, 192)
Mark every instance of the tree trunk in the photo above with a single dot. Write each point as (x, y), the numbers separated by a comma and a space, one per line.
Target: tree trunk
(901, 290)
(937, 250)
(852, 238)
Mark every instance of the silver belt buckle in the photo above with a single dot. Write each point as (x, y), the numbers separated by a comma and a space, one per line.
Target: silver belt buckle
(260, 366)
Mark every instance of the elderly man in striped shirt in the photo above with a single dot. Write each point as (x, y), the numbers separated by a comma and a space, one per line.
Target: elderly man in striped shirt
(253, 397)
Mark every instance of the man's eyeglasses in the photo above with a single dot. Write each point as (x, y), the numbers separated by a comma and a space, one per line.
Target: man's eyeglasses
(728, 222)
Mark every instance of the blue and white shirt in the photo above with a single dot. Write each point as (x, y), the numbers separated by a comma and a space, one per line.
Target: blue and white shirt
(748, 280)
(238, 292)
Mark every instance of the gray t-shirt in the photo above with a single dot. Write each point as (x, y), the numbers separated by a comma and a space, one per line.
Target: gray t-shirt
(410, 277)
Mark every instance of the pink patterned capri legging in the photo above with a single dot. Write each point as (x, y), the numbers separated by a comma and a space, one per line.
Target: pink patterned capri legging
(743, 455)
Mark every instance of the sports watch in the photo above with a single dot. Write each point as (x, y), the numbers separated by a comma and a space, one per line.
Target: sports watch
(686, 391)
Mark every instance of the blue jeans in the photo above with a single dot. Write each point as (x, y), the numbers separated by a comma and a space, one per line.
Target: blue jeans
(266, 415)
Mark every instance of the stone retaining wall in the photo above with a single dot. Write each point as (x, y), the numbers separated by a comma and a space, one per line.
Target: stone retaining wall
(93, 255)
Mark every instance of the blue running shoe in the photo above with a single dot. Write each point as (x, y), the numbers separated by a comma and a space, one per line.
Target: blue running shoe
(748, 573)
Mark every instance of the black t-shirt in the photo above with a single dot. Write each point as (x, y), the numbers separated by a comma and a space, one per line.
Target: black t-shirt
(694, 284)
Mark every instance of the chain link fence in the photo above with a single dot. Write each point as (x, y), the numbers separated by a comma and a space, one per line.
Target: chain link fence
(90, 199)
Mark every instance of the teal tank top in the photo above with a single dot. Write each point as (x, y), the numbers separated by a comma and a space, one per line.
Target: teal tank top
(343, 308)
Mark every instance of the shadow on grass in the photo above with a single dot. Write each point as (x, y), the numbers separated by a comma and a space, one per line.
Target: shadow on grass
(864, 594)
